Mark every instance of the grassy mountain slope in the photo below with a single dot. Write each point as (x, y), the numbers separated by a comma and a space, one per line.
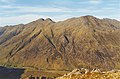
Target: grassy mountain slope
(74, 43)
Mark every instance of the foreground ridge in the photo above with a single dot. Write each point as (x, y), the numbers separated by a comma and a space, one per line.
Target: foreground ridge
(94, 74)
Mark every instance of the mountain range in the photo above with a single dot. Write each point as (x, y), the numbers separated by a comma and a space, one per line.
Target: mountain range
(85, 41)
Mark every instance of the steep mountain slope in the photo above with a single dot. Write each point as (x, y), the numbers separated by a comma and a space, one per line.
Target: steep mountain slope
(74, 43)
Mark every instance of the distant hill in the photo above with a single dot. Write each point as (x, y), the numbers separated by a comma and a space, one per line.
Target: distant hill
(86, 42)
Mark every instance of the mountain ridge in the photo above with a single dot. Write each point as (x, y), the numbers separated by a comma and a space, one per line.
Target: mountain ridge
(74, 43)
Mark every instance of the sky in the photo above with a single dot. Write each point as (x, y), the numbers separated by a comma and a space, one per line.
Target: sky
(14, 12)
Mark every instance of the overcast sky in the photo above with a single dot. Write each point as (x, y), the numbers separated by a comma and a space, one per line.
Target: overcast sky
(24, 11)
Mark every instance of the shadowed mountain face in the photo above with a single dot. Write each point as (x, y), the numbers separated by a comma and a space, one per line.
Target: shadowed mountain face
(10, 73)
(86, 42)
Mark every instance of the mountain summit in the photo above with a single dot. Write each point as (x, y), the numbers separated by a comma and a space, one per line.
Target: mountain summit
(86, 42)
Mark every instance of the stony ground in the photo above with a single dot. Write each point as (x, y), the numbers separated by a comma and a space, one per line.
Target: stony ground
(92, 75)
(49, 74)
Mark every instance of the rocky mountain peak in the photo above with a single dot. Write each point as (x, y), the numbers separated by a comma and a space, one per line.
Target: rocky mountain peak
(89, 17)
(41, 19)
(49, 20)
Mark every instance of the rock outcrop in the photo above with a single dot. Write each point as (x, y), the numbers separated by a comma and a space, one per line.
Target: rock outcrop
(94, 74)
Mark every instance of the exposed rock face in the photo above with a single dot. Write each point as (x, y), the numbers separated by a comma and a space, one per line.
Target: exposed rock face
(78, 71)
(94, 74)
(96, 70)
(86, 42)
